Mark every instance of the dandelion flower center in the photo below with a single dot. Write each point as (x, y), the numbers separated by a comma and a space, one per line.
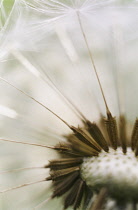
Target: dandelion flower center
(115, 170)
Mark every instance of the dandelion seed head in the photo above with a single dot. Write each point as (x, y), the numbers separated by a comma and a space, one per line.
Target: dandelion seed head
(110, 169)
(76, 101)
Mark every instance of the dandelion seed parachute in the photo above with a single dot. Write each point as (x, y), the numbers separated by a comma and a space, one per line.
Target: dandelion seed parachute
(52, 43)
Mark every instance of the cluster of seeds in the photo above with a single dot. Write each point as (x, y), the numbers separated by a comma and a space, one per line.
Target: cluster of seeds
(97, 161)
(92, 163)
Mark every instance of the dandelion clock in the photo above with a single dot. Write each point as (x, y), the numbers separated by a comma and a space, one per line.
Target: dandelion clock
(68, 108)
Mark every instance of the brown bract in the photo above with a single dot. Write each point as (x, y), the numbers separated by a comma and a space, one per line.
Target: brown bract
(86, 141)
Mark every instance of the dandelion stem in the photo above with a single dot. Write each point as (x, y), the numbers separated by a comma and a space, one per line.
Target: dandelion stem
(42, 203)
(24, 61)
(35, 101)
(98, 204)
(21, 169)
(32, 144)
(92, 61)
(23, 185)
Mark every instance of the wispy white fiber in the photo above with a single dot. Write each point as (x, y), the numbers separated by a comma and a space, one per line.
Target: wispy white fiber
(43, 53)
(6, 111)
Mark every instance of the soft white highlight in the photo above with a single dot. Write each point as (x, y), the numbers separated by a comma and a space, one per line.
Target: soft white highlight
(6, 111)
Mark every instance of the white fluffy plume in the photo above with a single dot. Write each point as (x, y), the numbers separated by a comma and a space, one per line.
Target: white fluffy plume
(45, 51)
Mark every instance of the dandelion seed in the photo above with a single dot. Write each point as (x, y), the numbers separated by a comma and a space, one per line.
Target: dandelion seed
(77, 69)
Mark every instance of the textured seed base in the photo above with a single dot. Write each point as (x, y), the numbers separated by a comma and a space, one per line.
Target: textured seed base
(114, 170)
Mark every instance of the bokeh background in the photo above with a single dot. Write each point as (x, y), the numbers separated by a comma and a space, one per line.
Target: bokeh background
(42, 52)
